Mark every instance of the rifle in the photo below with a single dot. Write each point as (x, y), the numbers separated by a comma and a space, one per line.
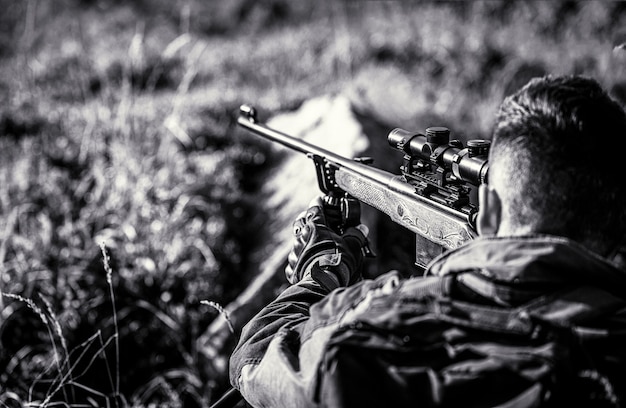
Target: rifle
(434, 196)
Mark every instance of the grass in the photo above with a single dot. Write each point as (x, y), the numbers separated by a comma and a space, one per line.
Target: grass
(118, 127)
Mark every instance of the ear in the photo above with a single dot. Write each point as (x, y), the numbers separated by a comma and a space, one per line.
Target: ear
(489, 211)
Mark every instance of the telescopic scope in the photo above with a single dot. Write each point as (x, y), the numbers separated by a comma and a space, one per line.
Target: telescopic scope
(468, 164)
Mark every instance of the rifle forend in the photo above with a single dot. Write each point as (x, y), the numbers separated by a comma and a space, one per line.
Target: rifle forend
(433, 197)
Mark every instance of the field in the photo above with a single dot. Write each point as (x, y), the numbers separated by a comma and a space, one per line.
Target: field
(129, 198)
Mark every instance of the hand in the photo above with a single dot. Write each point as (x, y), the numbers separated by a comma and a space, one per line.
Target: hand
(331, 259)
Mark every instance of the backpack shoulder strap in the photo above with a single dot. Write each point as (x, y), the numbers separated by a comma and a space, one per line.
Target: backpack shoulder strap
(573, 306)
(564, 308)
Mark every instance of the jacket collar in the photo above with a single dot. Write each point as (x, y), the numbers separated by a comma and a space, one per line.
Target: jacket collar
(531, 259)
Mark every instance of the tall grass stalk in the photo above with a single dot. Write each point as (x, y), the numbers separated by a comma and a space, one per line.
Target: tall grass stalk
(66, 369)
(9, 227)
(109, 276)
(48, 323)
(66, 379)
(54, 321)
(221, 311)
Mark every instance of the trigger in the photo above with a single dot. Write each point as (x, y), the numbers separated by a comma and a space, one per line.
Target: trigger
(350, 212)
(367, 251)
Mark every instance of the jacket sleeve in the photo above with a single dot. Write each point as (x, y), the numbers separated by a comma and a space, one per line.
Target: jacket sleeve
(276, 361)
(264, 366)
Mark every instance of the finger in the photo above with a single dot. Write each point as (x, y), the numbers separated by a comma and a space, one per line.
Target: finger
(292, 258)
(297, 226)
(364, 230)
(297, 230)
(317, 202)
(313, 214)
(289, 274)
(359, 232)
(355, 238)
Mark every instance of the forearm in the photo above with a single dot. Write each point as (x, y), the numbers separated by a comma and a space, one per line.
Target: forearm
(273, 364)
(288, 310)
(276, 362)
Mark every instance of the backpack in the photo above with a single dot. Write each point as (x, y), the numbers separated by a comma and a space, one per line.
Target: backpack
(439, 352)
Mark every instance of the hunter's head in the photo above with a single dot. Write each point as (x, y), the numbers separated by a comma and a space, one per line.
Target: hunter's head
(558, 164)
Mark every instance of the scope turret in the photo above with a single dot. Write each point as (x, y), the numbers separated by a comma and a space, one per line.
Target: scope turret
(468, 164)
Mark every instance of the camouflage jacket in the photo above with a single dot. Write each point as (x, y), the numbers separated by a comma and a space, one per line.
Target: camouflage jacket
(276, 363)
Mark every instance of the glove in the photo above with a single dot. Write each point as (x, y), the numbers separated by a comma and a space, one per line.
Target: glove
(330, 259)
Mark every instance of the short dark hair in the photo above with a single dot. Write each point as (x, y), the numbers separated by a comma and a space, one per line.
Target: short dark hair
(560, 144)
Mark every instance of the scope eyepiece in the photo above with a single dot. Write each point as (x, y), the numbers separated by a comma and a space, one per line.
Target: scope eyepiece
(478, 147)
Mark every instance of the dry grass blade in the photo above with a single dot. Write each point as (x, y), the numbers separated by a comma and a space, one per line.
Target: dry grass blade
(221, 311)
(109, 273)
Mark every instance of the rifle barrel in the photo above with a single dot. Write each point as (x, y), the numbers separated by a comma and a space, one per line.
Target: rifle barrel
(249, 122)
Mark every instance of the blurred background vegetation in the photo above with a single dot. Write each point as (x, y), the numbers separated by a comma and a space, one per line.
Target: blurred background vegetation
(118, 126)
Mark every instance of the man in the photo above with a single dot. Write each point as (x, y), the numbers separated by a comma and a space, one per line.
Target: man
(551, 217)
